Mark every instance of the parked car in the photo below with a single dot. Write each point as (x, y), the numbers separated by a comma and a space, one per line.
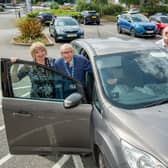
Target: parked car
(161, 21)
(136, 25)
(65, 28)
(121, 117)
(46, 4)
(45, 17)
(134, 10)
(161, 13)
(89, 16)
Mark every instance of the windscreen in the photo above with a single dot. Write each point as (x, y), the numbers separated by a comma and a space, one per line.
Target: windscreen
(66, 22)
(134, 79)
(139, 18)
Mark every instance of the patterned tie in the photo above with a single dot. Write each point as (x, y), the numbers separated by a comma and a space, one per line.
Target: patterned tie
(69, 68)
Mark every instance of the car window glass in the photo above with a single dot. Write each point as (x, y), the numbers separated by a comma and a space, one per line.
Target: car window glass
(139, 18)
(164, 19)
(33, 81)
(59, 23)
(134, 79)
(66, 22)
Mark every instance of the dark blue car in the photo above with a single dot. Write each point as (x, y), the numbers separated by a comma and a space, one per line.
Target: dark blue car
(136, 25)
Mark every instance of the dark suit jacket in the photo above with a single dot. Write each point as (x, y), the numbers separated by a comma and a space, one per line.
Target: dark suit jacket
(81, 65)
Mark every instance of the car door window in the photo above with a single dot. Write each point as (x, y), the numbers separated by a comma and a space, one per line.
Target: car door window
(33, 81)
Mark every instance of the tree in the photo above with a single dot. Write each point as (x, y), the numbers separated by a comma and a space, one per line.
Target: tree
(100, 2)
(129, 2)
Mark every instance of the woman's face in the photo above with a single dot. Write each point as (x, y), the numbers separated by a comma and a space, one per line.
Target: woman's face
(40, 55)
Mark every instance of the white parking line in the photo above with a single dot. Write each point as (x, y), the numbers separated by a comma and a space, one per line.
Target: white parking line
(62, 161)
(77, 161)
(2, 127)
(5, 159)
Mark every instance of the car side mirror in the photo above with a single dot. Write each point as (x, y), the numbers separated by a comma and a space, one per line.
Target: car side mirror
(72, 100)
(129, 21)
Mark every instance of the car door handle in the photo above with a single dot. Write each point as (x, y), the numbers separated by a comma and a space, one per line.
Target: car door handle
(23, 114)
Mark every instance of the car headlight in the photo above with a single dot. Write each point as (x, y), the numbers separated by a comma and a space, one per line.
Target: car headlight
(139, 159)
(81, 31)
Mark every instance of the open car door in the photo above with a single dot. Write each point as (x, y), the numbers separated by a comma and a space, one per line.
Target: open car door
(36, 119)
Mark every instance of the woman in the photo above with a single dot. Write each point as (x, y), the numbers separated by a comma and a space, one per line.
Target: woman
(41, 79)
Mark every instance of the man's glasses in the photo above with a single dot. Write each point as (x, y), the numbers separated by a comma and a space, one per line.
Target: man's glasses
(66, 52)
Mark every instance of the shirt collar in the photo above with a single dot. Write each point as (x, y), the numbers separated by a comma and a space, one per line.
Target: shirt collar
(71, 62)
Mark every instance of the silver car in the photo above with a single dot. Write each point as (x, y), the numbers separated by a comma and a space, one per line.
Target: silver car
(121, 117)
(65, 28)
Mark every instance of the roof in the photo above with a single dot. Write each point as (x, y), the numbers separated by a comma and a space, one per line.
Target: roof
(115, 45)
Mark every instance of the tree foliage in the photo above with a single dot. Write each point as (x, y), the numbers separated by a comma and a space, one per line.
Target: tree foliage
(129, 2)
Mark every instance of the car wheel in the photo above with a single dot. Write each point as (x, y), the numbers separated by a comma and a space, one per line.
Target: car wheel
(132, 32)
(50, 33)
(98, 22)
(102, 162)
(161, 30)
(55, 37)
(119, 29)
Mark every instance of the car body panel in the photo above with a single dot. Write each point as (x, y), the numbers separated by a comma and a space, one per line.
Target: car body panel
(131, 114)
(141, 28)
(89, 16)
(161, 21)
(112, 124)
(44, 17)
(65, 28)
(41, 123)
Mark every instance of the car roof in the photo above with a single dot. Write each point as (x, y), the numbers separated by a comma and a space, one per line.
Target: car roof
(114, 45)
(89, 11)
(60, 17)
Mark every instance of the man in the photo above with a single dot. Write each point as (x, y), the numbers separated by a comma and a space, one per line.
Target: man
(163, 43)
(72, 64)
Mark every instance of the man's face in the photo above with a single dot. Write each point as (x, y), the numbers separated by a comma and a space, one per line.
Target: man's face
(67, 54)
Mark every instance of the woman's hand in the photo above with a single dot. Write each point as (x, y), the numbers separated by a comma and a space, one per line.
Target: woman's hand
(13, 59)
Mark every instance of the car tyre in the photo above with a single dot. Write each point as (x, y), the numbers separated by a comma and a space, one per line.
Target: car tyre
(102, 161)
(98, 22)
(50, 33)
(132, 32)
(55, 38)
(119, 29)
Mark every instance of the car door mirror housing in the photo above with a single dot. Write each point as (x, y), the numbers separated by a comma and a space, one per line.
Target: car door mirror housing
(73, 100)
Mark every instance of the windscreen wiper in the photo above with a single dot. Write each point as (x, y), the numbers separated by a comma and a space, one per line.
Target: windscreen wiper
(156, 103)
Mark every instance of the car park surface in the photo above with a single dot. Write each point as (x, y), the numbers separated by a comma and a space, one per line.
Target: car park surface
(89, 16)
(120, 104)
(136, 25)
(65, 28)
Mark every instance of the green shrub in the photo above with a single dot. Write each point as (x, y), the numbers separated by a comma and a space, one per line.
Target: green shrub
(29, 27)
(32, 14)
(54, 5)
(112, 9)
(147, 9)
(106, 9)
(63, 12)
(82, 5)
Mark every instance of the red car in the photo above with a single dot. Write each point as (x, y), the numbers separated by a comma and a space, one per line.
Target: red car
(161, 21)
